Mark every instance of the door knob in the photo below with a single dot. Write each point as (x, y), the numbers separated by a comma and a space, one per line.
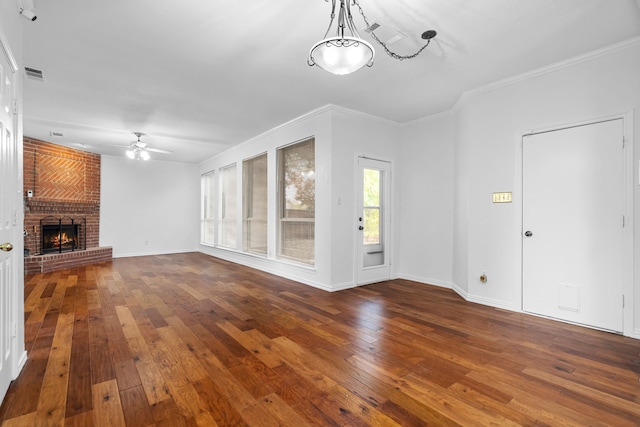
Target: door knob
(7, 247)
(528, 233)
(361, 228)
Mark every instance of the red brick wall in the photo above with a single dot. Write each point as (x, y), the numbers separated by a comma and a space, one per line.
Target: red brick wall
(65, 183)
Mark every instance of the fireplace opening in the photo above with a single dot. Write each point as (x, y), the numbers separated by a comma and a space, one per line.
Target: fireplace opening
(62, 234)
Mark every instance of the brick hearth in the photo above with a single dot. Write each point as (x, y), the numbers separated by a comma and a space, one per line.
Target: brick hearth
(61, 182)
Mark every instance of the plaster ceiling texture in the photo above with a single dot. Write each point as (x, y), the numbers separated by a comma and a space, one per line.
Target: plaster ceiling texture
(198, 77)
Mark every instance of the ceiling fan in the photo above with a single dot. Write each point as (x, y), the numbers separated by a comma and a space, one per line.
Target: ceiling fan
(139, 150)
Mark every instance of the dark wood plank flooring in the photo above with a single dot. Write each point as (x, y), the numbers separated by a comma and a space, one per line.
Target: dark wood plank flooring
(190, 340)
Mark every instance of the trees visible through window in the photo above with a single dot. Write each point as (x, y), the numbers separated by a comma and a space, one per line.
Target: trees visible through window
(296, 180)
(228, 206)
(371, 205)
(254, 193)
(207, 224)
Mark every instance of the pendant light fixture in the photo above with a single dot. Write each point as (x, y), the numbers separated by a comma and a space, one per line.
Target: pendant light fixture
(343, 54)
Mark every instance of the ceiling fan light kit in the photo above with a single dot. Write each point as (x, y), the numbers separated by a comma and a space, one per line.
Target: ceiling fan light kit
(342, 54)
(138, 154)
(138, 151)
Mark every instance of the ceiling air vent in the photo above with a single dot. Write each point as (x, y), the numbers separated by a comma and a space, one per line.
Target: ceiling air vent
(34, 74)
(56, 134)
(385, 33)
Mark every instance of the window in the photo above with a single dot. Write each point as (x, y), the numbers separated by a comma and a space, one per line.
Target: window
(207, 224)
(254, 193)
(297, 199)
(228, 206)
(371, 206)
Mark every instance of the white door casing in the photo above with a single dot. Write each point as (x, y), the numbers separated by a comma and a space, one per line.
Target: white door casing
(572, 243)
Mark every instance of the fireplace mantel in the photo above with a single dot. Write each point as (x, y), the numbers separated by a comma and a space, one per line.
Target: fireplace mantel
(57, 206)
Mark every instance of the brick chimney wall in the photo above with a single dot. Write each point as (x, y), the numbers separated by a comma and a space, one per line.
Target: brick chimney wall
(63, 182)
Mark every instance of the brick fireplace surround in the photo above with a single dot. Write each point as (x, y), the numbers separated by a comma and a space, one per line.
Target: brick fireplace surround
(64, 183)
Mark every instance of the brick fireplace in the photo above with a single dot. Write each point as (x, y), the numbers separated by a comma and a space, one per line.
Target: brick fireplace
(61, 185)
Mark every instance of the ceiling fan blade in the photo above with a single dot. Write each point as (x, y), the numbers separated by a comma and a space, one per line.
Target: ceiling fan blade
(157, 150)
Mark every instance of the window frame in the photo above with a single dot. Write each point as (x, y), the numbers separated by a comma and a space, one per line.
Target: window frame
(283, 217)
(225, 240)
(208, 207)
(248, 205)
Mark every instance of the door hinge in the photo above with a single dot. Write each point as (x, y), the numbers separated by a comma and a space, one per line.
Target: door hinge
(623, 141)
(622, 221)
(15, 107)
(622, 300)
(14, 329)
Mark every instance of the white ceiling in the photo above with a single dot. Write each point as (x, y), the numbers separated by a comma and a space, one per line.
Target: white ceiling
(200, 76)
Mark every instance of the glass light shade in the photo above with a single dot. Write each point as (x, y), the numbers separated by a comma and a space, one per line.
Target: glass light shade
(342, 55)
(137, 154)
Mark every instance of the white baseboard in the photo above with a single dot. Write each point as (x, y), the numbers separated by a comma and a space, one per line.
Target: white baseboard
(506, 305)
(343, 286)
(21, 362)
(152, 253)
(277, 268)
(425, 280)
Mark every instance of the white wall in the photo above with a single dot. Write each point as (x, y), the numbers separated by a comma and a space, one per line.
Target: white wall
(489, 126)
(425, 206)
(149, 207)
(355, 134)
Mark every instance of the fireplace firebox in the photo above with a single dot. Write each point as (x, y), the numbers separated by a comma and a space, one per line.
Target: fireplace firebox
(62, 234)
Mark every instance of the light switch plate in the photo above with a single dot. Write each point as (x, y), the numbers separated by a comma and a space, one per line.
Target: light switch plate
(502, 197)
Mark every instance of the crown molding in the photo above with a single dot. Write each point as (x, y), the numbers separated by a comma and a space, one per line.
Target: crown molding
(360, 114)
(6, 50)
(328, 108)
(589, 56)
(429, 118)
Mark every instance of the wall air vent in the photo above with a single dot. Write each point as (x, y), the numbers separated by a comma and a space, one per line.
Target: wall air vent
(34, 74)
(56, 134)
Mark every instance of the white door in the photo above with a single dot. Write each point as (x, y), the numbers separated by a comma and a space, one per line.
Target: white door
(373, 221)
(572, 245)
(10, 206)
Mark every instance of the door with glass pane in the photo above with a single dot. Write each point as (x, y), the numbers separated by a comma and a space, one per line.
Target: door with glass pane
(373, 221)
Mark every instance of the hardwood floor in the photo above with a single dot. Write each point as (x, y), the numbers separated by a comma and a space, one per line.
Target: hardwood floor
(187, 339)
